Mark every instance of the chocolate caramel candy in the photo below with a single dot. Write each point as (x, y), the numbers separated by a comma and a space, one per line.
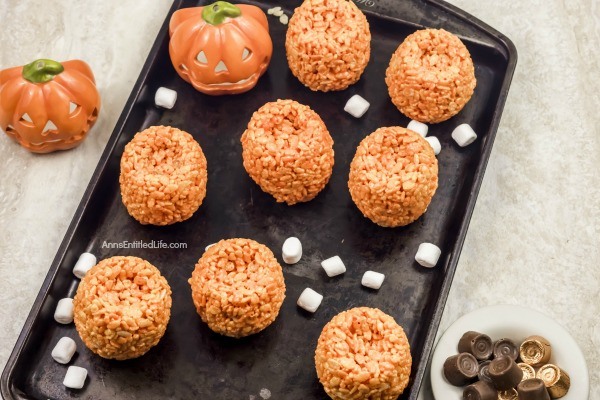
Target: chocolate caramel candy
(510, 394)
(484, 372)
(535, 351)
(461, 369)
(556, 380)
(505, 373)
(480, 391)
(533, 389)
(506, 347)
(528, 371)
(478, 344)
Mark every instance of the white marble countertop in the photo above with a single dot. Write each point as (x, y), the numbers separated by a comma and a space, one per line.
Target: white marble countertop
(538, 212)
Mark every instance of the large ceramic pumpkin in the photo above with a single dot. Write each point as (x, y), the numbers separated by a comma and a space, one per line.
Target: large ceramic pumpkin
(47, 106)
(221, 48)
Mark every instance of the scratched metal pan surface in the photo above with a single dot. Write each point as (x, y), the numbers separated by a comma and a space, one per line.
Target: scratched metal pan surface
(193, 362)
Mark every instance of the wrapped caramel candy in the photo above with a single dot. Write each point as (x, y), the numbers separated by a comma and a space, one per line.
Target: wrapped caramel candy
(535, 351)
(556, 380)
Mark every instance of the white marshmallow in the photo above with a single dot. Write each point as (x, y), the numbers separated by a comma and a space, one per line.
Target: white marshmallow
(64, 311)
(291, 251)
(165, 97)
(309, 300)
(271, 11)
(464, 135)
(435, 144)
(372, 279)
(428, 255)
(85, 262)
(64, 350)
(278, 13)
(333, 266)
(284, 19)
(357, 106)
(209, 246)
(418, 127)
(75, 377)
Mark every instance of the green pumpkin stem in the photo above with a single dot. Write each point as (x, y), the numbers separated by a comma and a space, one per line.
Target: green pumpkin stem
(42, 70)
(216, 13)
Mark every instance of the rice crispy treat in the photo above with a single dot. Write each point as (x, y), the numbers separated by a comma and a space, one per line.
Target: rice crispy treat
(163, 176)
(287, 151)
(328, 44)
(431, 76)
(393, 176)
(122, 307)
(363, 353)
(238, 287)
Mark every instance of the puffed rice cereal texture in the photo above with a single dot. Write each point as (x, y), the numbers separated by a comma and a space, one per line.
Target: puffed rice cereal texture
(163, 176)
(363, 353)
(122, 307)
(238, 287)
(288, 151)
(328, 44)
(393, 176)
(431, 76)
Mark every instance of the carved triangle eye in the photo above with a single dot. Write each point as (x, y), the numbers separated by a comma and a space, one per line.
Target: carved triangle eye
(221, 67)
(73, 108)
(246, 53)
(202, 58)
(25, 117)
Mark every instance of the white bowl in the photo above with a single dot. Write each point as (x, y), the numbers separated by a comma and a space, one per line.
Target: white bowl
(515, 323)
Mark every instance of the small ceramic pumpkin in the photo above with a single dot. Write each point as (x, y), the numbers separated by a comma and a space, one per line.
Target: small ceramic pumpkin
(47, 106)
(220, 48)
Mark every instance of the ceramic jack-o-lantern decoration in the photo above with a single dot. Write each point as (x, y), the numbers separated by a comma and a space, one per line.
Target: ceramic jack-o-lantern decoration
(47, 106)
(220, 48)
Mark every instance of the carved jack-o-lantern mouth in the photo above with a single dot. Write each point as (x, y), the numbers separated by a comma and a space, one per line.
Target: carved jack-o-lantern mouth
(231, 47)
(48, 105)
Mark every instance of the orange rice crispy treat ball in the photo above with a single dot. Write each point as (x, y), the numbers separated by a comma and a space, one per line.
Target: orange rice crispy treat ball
(287, 151)
(122, 307)
(328, 44)
(238, 287)
(363, 353)
(431, 76)
(163, 176)
(393, 176)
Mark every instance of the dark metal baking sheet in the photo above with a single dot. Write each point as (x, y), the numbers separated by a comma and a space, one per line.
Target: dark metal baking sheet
(193, 362)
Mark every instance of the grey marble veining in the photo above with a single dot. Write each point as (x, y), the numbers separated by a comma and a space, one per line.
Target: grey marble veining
(537, 218)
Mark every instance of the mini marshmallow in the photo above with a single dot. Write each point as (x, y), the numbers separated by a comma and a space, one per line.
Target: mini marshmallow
(272, 11)
(85, 262)
(165, 97)
(333, 266)
(418, 127)
(64, 311)
(372, 279)
(278, 13)
(284, 19)
(291, 252)
(464, 135)
(428, 255)
(435, 144)
(357, 106)
(75, 377)
(64, 350)
(309, 300)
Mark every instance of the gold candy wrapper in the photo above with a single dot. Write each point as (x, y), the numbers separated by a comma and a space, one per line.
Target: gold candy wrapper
(528, 371)
(535, 351)
(556, 380)
(511, 394)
